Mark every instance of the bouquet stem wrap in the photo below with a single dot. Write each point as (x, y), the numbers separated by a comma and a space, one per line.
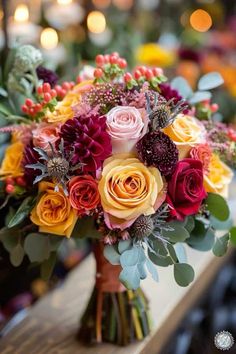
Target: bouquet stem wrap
(114, 314)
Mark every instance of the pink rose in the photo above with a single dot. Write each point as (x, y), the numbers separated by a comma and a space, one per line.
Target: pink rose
(126, 125)
(45, 134)
(203, 153)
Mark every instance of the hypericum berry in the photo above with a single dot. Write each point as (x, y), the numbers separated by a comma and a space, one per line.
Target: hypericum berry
(128, 77)
(72, 84)
(157, 71)
(79, 79)
(9, 180)
(232, 134)
(53, 93)
(142, 69)
(20, 181)
(40, 90)
(38, 107)
(10, 188)
(113, 59)
(29, 102)
(99, 60)
(214, 107)
(122, 63)
(149, 74)
(98, 73)
(46, 87)
(31, 111)
(106, 58)
(47, 97)
(24, 108)
(116, 54)
(137, 74)
(66, 86)
(62, 93)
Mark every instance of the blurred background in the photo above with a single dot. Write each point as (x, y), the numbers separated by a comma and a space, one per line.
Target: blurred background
(185, 37)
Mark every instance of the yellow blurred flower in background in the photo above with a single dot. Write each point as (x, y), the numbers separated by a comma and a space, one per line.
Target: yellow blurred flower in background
(11, 164)
(152, 54)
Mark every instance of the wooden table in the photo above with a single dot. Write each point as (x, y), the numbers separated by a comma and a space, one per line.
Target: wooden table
(52, 323)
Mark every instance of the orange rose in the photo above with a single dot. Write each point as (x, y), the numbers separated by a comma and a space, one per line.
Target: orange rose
(53, 212)
(11, 164)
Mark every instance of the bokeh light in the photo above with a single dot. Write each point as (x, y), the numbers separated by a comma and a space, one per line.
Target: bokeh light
(49, 38)
(64, 2)
(96, 22)
(200, 20)
(123, 4)
(184, 18)
(21, 13)
(101, 4)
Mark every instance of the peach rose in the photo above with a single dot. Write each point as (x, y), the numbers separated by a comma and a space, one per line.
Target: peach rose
(129, 189)
(203, 153)
(186, 132)
(126, 125)
(64, 109)
(11, 164)
(218, 178)
(45, 134)
(53, 213)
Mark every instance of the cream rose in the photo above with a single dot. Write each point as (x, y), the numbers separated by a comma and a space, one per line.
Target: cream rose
(186, 132)
(126, 125)
(218, 178)
(129, 189)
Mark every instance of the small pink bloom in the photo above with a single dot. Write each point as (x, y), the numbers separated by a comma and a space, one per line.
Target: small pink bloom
(203, 153)
(45, 134)
(126, 125)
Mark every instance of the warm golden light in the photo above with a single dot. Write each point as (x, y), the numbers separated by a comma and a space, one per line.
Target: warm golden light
(101, 4)
(184, 18)
(123, 4)
(1, 14)
(49, 38)
(200, 20)
(21, 13)
(96, 22)
(64, 2)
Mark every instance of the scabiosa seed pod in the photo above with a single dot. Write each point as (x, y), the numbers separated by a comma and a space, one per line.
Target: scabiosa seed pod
(158, 150)
(142, 227)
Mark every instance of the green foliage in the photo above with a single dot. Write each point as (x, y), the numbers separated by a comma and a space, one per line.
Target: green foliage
(23, 211)
(47, 266)
(111, 254)
(233, 235)
(221, 245)
(85, 227)
(39, 246)
(17, 255)
(176, 233)
(183, 273)
(210, 81)
(217, 206)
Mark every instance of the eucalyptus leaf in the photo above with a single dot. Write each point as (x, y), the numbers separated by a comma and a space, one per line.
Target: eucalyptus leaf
(85, 227)
(178, 234)
(183, 273)
(182, 86)
(142, 270)
(152, 270)
(203, 244)
(37, 247)
(190, 224)
(200, 96)
(132, 257)
(233, 235)
(210, 81)
(217, 206)
(124, 245)
(23, 211)
(17, 255)
(162, 261)
(159, 247)
(130, 277)
(10, 238)
(47, 266)
(111, 254)
(180, 252)
(221, 245)
(3, 92)
(221, 225)
(4, 109)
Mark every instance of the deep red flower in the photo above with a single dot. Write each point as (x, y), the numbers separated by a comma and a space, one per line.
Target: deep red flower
(87, 136)
(185, 189)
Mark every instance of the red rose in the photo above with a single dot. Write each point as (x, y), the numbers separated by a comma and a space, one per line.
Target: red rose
(83, 193)
(185, 189)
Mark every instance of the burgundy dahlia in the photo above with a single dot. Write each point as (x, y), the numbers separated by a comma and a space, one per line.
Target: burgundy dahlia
(157, 149)
(169, 92)
(30, 157)
(47, 75)
(87, 135)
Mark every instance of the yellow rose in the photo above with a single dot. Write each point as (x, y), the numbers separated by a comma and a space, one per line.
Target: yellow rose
(63, 110)
(153, 54)
(128, 189)
(11, 164)
(218, 178)
(185, 131)
(53, 212)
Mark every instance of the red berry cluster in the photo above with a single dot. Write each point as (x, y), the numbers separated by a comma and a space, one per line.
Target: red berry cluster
(212, 107)
(62, 90)
(14, 185)
(141, 74)
(112, 61)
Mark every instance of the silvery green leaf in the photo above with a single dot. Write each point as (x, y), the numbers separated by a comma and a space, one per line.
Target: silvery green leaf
(42, 153)
(37, 247)
(221, 245)
(183, 273)
(177, 234)
(17, 255)
(162, 261)
(203, 244)
(111, 254)
(182, 86)
(200, 96)
(132, 257)
(180, 252)
(210, 81)
(221, 225)
(124, 245)
(152, 270)
(130, 277)
(142, 270)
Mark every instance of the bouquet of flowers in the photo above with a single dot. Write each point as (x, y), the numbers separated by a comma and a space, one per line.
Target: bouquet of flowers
(119, 158)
